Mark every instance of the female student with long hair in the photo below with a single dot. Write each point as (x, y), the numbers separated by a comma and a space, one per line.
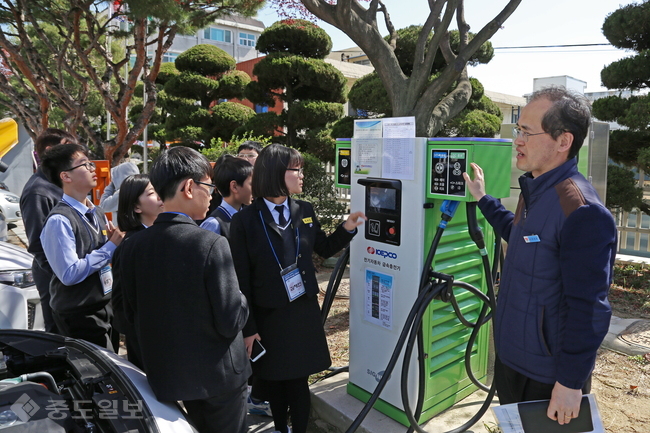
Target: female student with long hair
(272, 241)
(138, 208)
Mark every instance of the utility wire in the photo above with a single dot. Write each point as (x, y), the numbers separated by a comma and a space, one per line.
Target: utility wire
(551, 46)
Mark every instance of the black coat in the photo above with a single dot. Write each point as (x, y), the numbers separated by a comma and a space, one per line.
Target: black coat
(291, 332)
(182, 299)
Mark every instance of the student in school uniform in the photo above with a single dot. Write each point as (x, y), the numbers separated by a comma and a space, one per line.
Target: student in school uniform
(37, 200)
(272, 241)
(78, 243)
(182, 298)
(232, 177)
(138, 207)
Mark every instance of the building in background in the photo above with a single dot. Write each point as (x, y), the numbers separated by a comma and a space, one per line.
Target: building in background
(509, 105)
(234, 34)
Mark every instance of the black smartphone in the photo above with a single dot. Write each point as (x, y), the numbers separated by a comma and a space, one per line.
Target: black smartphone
(258, 350)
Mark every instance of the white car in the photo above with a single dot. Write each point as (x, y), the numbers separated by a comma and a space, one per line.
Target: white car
(20, 304)
(10, 206)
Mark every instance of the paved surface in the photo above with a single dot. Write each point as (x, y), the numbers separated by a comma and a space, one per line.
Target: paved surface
(334, 410)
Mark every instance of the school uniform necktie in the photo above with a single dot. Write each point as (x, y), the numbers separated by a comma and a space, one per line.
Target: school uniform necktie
(282, 221)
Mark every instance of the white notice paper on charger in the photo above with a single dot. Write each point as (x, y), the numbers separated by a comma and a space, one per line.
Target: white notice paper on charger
(398, 127)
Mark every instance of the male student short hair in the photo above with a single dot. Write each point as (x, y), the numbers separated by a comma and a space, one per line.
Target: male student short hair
(270, 168)
(176, 165)
(58, 159)
(51, 137)
(229, 168)
(250, 145)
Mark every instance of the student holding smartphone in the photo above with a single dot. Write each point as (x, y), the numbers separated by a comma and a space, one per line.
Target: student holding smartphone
(272, 241)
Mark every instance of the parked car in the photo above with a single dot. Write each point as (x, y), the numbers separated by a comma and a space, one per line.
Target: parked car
(3, 228)
(10, 205)
(57, 384)
(20, 304)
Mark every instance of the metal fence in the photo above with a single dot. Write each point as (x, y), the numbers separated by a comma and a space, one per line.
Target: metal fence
(633, 233)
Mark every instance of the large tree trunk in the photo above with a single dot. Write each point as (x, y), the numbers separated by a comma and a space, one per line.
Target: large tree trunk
(434, 102)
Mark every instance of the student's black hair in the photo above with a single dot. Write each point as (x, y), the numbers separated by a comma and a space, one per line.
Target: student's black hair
(175, 166)
(250, 145)
(228, 168)
(51, 137)
(58, 159)
(130, 191)
(270, 168)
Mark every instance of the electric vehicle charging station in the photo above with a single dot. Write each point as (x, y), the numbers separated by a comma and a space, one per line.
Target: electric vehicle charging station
(401, 186)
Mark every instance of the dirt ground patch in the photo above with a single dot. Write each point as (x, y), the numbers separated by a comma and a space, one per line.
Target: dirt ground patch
(622, 387)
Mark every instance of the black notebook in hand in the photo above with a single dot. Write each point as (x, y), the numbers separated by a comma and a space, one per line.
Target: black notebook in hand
(534, 419)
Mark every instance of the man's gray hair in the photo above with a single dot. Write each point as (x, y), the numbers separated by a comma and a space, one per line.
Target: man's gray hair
(570, 112)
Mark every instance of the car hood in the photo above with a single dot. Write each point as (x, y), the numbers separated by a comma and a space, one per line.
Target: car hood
(13, 257)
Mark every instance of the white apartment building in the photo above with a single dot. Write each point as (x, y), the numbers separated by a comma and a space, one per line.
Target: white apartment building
(234, 34)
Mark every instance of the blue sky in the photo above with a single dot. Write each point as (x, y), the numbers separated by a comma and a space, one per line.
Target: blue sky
(535, 22)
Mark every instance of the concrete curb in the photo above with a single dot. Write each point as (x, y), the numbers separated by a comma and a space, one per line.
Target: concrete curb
(333, 411)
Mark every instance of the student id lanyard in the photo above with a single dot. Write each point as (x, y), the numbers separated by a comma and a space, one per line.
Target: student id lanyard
(290, 275)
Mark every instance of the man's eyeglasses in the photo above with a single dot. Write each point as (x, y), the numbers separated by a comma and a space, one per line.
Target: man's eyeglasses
(90, 166)
(299, 170)
(247, 155)
(518, 133)
(210, 186)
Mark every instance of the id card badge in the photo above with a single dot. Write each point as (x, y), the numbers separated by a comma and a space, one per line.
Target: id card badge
(293, 282)
(106, 277)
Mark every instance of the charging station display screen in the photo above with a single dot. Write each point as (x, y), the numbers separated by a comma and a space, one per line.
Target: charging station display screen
(344, 166)
(447, 167)
(382, 199)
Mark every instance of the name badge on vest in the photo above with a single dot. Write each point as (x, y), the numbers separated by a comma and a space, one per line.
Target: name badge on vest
(293, 282)
(106, 277)
(531, 239)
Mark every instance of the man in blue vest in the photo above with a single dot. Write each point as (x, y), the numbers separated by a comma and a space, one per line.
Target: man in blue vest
(552, 311)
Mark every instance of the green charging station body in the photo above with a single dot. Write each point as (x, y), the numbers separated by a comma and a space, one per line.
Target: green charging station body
(400, 184)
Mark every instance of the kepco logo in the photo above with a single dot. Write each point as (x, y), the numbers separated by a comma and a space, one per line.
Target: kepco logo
(376, 375)
(382, 253)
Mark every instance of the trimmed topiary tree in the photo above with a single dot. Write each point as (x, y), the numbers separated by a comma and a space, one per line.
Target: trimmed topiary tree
(294, 73)
(203, 74)
(627, 28)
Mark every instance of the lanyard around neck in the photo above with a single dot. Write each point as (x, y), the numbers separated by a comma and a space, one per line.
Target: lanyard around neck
(271, 245)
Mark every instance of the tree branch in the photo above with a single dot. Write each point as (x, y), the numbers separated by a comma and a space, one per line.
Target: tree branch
(392, 34)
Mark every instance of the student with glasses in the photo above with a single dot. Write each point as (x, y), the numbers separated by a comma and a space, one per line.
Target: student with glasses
(78, 243)
(272, 241)
(249, 150)
(37, 200)
(182, 298)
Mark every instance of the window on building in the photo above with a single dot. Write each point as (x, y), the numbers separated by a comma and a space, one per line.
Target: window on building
(261, 108)
(169, 57)
(247, 39)
(215, 34)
